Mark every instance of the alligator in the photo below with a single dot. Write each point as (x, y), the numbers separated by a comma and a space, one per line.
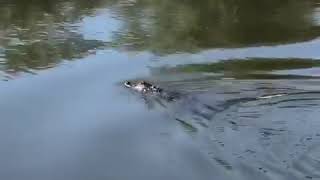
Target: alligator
(150, 89)
(188, 102)
(143, 87)
(178, 103)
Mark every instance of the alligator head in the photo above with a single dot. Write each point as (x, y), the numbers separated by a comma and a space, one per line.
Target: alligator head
(143, 87)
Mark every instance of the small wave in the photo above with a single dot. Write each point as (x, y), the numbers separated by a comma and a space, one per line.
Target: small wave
(271, 96)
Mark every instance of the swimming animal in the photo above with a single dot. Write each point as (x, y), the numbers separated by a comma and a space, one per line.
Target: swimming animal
(147, 88)
(143, 87)
(184, 106)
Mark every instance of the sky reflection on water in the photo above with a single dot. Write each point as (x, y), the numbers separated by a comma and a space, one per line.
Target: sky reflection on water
(65, 114)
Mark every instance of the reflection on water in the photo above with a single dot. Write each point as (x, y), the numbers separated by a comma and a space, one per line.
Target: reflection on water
(257, 68)
(272, 134)
(266, 127)
(40, 34)
(256, 128)
(246, 75)
(171, 26)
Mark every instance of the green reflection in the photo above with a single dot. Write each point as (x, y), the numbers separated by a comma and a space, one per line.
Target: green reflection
(257, 68)
(39, 34)
(257, 64)
(45, 54)
(171, 26)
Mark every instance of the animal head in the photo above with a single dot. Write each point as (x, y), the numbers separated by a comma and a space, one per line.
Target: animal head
(142, 86)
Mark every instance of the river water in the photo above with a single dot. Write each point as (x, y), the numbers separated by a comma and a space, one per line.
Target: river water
(248, 71)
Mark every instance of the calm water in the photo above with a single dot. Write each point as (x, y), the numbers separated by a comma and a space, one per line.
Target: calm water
(249, 72)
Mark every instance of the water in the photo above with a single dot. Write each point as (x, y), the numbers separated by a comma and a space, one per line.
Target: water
(248, 72)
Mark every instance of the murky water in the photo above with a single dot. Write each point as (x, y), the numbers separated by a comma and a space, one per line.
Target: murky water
(247, 71)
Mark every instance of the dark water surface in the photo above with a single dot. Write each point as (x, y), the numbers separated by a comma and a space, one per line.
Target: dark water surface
(248, 72)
